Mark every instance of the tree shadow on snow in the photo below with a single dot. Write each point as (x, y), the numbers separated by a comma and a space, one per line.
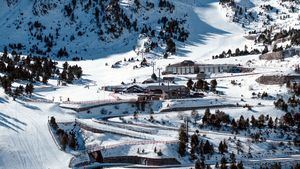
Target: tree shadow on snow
(28, 105)
(11, 123)
(3, 100)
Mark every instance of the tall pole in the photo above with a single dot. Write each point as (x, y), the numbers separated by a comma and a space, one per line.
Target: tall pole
(153, 65)
(159, 76)
(169, 88)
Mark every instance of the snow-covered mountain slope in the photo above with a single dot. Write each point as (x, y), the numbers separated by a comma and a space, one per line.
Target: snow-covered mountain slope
(84, 28)
(259, 14)
(25, 141)
(96, 29)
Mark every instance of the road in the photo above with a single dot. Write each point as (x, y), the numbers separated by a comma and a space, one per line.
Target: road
(249, 162)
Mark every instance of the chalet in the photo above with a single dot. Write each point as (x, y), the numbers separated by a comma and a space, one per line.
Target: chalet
(148, 81)
(134, 89)
(149, 97)
(190, 67)
(116, 89)
(152, 92)
(169, 91)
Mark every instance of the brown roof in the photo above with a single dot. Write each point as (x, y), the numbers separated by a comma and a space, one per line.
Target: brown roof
(191, 63)
(166, 87)
(184, 63)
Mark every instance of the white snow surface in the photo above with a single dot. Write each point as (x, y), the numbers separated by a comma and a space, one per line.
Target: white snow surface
(25, 141)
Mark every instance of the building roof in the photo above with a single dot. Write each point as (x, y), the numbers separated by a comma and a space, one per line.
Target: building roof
(191, 63)
(184, 63)
(137, 87)
(166, 87)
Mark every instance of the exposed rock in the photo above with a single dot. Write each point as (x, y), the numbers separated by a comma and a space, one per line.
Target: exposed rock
(272, 56)
(11, 2)
(42, 7)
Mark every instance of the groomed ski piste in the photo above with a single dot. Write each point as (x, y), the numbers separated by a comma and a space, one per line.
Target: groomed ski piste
(26, 141)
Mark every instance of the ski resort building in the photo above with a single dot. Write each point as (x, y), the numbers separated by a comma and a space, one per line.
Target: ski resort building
(169, 91)
(190, 67)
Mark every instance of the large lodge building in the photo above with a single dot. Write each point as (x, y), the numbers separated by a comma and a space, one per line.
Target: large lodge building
(190, 67)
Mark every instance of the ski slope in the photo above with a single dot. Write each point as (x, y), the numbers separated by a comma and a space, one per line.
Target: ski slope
(25, 141)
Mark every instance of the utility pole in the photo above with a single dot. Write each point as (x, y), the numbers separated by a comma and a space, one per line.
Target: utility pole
(159, 75)
(169, 88)
(153, 65)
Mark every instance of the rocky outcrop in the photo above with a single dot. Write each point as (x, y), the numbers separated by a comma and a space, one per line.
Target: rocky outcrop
(272, 80)
(272, 56)
(291, 52)
(11, 2)
(280, 54)
(42, 7)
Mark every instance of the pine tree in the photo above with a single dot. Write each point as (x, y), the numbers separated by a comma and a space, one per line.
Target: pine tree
(70, 77)
(190, 84)
(270, 123)
(72, 142)
(221, 147)
(207, 148)
(194, 145)
(154, 77)
(240, 165)
(65, 66)
(232, 157)
(171, 46)
(64, 141)
(206, 116)
(223, 163)
(261, 121)
(29, 88)
(199, 84)
(265, 50)
(233, 124)
(253, 121)
(233, 166)
(213, 84)
(53, 123)
(198, 165)
(183, 138)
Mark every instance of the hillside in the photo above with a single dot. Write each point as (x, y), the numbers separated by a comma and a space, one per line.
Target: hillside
(108, 40)
(90, 29)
